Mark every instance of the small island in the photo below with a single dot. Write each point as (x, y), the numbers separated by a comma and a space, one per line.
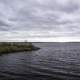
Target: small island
(8, 47)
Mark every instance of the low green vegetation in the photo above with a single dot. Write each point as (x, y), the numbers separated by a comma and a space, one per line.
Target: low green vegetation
(8, 47)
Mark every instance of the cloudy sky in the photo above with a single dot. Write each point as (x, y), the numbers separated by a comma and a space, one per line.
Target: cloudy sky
(40, 20)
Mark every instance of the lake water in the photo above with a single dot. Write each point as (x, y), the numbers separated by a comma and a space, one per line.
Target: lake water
(54, 61)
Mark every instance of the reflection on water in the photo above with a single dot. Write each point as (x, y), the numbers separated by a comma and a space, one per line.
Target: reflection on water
(54, 61)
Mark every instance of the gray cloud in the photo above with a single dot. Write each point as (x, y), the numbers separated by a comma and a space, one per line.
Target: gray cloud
(55, 16)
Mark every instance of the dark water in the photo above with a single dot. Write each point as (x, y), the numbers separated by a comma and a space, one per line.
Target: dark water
(54, 61)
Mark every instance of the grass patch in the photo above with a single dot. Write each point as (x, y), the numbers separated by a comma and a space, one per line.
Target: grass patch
(8, 47)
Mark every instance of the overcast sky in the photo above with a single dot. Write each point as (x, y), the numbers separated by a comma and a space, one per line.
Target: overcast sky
(40, 20)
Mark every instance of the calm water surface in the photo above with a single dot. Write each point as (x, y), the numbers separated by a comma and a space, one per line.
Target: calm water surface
(54, 61)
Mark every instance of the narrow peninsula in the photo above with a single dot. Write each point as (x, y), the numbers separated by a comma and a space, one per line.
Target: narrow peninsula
(8, 47)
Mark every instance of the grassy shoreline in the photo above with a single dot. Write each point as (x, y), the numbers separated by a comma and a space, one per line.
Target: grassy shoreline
(8, 47)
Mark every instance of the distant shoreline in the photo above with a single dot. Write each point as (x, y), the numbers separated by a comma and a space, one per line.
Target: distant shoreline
(9, 47)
